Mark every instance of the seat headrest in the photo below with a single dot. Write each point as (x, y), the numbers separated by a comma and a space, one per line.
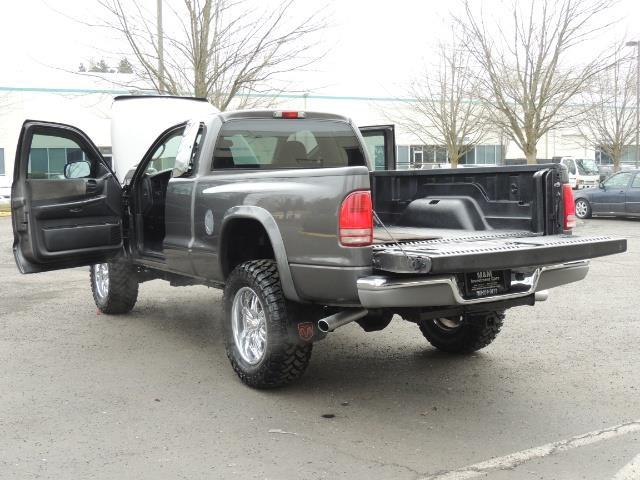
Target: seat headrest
(293, 154)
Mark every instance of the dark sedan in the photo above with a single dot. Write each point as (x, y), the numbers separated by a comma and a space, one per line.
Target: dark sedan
(618, 195)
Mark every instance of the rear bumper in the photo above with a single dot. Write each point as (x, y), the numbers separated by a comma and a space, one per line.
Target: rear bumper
(328, 285)
(379, 291)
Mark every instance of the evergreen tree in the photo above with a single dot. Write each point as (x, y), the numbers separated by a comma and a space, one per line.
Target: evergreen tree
(125, 66)
(100, 67)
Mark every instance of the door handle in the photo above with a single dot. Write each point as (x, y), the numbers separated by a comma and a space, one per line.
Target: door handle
(92, 186)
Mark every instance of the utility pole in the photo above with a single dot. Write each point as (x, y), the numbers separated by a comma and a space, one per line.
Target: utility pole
(160, 47)
(636, 44)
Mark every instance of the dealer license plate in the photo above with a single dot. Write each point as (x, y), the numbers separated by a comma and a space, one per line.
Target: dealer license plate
(487, 283)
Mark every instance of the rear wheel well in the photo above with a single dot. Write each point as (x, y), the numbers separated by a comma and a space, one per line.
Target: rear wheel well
(243, 239)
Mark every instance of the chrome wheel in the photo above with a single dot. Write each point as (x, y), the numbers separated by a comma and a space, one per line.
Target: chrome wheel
(249, 325)
(448, 323)
(582, 209)
(101, 279)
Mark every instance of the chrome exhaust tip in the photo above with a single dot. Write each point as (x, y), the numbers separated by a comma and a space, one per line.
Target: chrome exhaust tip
(330, 323)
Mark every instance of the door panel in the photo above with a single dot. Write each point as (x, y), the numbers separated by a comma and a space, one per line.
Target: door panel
(632, 200)
(611, 199)
(178, 224)
(66, 202)
(380, 141)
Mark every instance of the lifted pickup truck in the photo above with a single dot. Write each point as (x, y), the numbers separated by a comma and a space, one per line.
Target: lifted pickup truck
(282, 211)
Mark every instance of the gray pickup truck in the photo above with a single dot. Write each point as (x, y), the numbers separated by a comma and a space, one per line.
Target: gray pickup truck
(282, 210)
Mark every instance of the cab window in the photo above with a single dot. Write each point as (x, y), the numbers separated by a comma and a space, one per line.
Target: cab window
(286, 143)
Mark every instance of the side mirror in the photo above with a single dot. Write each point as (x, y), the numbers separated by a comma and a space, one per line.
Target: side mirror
(80, 169)
(185, 150)
(601, 186)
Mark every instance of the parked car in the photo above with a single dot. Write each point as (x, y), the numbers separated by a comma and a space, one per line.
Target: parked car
(618, 195)
(277, 208)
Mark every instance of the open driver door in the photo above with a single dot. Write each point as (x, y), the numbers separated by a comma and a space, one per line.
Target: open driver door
(65, 200)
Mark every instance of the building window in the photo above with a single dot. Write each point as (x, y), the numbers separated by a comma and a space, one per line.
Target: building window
(482, 155)
(427, 154)
(1, 161)
(602, 158)
(416, 156)
(628, 156)
(50, 154)
(440, 154)
(469, 157)
(402, 157)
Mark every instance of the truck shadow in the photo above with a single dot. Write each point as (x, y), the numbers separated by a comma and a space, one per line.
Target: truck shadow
(394, 363)
(390, 376)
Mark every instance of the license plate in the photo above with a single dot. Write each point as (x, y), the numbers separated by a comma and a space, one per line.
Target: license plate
(487, 283)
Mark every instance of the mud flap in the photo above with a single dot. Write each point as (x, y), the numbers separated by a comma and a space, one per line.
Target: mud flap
(303, 323)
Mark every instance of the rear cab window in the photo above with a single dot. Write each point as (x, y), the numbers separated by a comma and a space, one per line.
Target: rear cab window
(266, 143)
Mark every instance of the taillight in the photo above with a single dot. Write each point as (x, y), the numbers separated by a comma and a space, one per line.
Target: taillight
(355, 222)
(569, 207)
(289, 114)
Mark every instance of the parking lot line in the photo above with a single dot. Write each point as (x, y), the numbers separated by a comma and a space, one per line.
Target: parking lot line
(631, 471)
(518, 458)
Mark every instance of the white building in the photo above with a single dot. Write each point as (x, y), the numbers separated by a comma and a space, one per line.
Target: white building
(84, 100)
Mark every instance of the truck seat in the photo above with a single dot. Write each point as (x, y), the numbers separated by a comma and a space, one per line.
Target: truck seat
(223, 157)
(292, 155)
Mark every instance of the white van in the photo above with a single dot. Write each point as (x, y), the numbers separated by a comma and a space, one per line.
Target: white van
(583, 173)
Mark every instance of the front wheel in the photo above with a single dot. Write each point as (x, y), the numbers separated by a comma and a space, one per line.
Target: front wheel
(583, 209)
(114, 287)
(464, 333)
(256, 328)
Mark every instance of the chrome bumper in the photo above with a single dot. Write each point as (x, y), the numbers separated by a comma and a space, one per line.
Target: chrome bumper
(379, 291)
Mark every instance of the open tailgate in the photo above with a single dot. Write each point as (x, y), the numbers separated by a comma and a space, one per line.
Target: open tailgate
(486, 252)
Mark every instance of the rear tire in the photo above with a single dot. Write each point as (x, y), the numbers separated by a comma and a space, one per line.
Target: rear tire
(114, 287)
(463, 335)
(583, 209)
(256, 328)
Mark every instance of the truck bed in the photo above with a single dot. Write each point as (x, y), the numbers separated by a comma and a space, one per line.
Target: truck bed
(472, 220)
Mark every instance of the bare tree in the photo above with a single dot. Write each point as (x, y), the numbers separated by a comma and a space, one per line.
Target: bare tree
(610, 125)
(527, 64)
(446, 109)
(224, 50)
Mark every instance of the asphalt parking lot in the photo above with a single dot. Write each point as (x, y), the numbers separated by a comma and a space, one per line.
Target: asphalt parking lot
(151, 394)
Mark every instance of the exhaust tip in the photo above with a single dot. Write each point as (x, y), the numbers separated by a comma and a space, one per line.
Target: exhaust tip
(323, 326)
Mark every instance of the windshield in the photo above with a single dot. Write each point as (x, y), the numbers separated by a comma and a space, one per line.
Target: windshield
(587, 167)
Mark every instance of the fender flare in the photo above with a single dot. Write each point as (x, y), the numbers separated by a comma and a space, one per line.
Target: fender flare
(271, 227)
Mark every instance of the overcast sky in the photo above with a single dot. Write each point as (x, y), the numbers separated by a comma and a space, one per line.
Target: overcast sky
(374, 46)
